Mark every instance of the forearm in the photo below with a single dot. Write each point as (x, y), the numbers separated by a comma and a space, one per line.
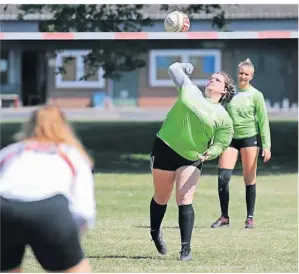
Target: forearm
(265, 133)
(264, 127)
(215, 151)
(84, 204)
(222, 139)
(263, 122)
(179, 74)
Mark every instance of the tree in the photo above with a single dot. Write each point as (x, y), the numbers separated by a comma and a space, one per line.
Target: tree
(110, 18)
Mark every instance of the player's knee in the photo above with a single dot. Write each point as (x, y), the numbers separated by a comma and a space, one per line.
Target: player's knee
(249, 179)
(161, 199)
(224, 176)
(184, 199)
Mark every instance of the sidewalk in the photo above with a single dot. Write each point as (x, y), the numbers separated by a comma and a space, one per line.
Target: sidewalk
(116, 114)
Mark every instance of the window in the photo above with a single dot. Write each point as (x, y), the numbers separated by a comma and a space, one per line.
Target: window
(70, 69)
(4, 67)
(205, 62)
(75, 68)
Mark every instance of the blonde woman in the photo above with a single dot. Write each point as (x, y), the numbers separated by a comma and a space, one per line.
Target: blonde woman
(47, 195)
(251, 132)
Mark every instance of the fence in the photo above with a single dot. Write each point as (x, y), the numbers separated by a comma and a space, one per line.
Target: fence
(147, 35)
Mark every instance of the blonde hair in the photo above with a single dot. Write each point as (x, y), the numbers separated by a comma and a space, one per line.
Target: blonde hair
(247, 63)
(48, 125)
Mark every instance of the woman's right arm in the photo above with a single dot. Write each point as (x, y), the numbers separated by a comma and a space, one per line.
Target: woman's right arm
(190, 95)
(179, 74)
(84, 205)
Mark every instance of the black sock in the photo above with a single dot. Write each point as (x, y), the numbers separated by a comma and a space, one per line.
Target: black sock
(223, 194)
(250, 200)
(186, 223)
(224, 176)
(156, 216)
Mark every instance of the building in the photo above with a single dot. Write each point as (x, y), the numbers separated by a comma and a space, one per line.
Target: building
(28, 68)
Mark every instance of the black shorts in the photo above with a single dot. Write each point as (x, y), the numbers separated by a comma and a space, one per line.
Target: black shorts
(165, 158)
(47, 226)
(253, 141)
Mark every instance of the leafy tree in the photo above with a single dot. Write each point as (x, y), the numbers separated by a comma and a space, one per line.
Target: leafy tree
(126, 55)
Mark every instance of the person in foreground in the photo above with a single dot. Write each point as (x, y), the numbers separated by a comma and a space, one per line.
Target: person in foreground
(249, 114)
(196, 129)
(46, 194)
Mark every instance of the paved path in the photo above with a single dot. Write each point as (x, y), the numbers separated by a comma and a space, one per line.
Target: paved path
(116, 114)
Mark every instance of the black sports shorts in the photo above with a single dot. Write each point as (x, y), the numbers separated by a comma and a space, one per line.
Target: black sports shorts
(47, 226)
(253, 141)
(165, 158)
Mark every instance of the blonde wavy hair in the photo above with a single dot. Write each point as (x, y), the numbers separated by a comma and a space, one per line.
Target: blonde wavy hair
(49, 125)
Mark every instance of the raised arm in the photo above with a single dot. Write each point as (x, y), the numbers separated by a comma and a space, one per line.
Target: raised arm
(179, 73)
(190, 95)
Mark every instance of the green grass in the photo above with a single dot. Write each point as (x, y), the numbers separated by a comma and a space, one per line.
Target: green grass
(120, 241)
(124, 147)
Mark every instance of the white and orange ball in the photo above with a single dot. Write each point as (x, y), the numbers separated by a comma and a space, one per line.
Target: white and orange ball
(177, 21)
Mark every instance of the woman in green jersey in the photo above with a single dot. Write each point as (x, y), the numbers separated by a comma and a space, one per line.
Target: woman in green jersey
(197, 128)
(249, 114)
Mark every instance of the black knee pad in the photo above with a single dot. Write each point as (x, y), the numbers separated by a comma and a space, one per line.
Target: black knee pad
(224, 176)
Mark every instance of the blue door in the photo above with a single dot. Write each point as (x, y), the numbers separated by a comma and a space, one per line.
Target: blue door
(125, 90)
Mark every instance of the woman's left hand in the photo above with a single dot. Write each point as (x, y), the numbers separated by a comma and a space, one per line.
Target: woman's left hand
(266, 154)
(205, 156)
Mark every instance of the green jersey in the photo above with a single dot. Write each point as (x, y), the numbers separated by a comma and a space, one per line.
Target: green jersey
(249, 114)
(195, 124)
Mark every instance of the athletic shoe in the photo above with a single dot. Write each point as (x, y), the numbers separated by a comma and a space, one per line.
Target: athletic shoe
(222, 221)
(249, 223)
(185, 254)
(159, 242)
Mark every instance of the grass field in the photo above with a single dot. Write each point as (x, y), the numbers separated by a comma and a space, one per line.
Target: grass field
(120, 241)
(124, 147)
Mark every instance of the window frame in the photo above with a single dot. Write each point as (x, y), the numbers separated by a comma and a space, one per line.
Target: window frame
(184, 54)
(9, 67)
(59, 83)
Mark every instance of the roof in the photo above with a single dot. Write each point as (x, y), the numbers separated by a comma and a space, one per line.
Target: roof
(11, 12)
(237, 12)
(243, 11)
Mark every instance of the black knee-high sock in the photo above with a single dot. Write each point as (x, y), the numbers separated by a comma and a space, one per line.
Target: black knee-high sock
(186, 223)
(224, 176)
(156, 215)
(223, 194)
(250, 199)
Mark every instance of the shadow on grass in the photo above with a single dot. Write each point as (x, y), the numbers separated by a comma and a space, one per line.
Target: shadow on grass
(164, 226)
(124, 147)
(126, 257)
